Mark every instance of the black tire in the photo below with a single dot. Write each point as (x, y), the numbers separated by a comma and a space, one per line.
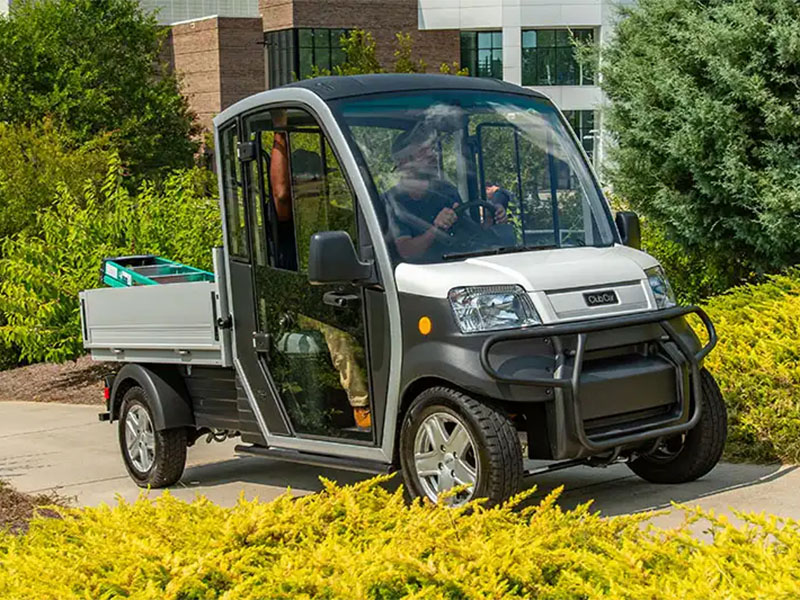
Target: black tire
(496, 441)
(170, 446)
(701, 448)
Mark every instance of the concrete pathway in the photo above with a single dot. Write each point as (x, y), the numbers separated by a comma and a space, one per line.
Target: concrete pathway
(65, 448)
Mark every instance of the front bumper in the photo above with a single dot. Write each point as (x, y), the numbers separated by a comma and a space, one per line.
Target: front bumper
(568, 388)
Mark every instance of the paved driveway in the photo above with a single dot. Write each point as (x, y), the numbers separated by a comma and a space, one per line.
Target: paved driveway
(64, 447)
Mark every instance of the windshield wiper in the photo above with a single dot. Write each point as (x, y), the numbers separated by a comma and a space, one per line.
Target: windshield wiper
(494, 251)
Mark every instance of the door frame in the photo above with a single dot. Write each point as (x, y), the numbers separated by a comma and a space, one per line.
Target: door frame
(319, 109)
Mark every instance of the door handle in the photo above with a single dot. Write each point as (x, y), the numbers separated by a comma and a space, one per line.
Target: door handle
(340, 300)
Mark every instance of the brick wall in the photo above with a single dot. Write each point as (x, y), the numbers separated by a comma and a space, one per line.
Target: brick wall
(383, 18)
(218, 61)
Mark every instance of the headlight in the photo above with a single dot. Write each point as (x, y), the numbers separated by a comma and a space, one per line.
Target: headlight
(492, 307)
(665, 298)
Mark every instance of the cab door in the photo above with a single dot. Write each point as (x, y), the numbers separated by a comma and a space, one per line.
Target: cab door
(312, 341)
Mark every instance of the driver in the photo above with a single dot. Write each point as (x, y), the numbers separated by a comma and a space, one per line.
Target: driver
(423, 203)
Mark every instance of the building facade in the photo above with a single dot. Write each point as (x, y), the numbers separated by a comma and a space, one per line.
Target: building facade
(530, 43)
(227, 49)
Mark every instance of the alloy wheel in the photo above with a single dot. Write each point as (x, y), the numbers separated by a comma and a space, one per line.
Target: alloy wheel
(445, 456)
(140, 438)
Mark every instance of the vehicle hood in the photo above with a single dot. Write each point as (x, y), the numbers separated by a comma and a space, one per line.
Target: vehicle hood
(555, 279)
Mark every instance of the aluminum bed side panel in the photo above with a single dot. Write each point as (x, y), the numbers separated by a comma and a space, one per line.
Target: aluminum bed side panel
(173, 323)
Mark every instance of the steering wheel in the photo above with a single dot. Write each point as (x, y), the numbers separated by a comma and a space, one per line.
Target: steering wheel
(466, 226)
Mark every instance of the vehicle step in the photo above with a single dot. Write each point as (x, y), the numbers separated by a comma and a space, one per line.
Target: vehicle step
(360, 465)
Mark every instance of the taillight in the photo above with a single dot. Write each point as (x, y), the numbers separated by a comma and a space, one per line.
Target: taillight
(106, 393)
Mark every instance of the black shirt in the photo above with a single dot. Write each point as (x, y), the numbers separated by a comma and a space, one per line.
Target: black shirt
(411, 217)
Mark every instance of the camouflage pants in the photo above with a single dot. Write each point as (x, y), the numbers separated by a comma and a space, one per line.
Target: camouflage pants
(343, 350)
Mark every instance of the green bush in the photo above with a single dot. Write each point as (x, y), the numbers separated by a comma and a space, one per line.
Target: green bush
(96, 66)
(32, 159)
(705, 115)
(362, 542)
(41, 275)
(691, 274)
(757, 365)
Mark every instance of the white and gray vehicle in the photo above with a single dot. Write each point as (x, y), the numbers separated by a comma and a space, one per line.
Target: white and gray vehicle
(419, 272)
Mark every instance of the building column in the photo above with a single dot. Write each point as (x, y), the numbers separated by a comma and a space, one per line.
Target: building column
(512, 42)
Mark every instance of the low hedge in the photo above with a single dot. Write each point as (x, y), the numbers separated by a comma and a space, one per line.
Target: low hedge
(757, 365)
(365, 542)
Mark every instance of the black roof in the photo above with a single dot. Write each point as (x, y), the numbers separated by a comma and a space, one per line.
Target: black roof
(330, 88)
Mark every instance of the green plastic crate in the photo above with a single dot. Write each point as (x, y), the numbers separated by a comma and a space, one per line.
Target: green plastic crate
(127, 271)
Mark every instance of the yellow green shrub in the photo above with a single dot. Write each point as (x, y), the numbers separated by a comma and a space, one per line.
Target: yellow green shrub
(757, 365)
(364, 542)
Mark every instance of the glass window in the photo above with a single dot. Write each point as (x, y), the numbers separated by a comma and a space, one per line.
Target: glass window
(294, 53)
(583, 124)
(482, 53)
(548, 57)
(232, 183)
(475, 153)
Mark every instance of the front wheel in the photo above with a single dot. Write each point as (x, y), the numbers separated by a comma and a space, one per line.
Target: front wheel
(450, 439)
(689, 456)
(152, 458)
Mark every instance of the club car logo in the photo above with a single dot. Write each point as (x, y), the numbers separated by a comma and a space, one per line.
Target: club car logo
(601, 298)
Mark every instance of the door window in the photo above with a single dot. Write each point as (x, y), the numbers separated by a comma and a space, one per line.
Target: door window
(232, 190)
(316, 353)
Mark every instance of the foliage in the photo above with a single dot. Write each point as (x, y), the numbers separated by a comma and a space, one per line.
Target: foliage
(692, 276)
(360, 542)
(757, 365)
(403, 59)
(31, 160)
(704, 109)
(40, 276)
(95, 66)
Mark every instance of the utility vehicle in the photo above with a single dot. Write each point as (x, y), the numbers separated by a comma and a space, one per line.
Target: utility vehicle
(419, 272)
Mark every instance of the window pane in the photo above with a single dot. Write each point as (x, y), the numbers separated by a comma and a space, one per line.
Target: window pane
(484, 39)
(497, 64)
(563, 38)
(468, 40)
(305, 66)
(484, 63)
(546, 37)
(322, 57)
(545, 66)
(497, 39)
(305, 38)
(566, 67)
(234, 197)
(529, 39)
(529, 66)
(322, 38)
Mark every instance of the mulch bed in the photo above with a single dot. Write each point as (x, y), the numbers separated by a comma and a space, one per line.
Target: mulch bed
(73, 382)
(17, 509)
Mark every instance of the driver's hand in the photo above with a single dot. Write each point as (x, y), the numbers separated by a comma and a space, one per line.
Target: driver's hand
(446, 218)
(500, 215)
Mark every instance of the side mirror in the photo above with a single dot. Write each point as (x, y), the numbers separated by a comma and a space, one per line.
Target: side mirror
(333, 259)
(628, 225)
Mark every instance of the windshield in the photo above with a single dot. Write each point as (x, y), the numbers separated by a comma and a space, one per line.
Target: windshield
(461, 173)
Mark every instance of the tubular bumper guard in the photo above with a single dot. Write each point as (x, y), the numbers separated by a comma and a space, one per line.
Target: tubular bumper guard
(582, 329)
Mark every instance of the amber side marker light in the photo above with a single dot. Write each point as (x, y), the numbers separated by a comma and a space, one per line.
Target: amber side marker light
(425, 325)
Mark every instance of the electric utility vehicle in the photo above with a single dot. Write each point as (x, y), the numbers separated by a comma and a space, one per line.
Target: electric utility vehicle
(419, 272)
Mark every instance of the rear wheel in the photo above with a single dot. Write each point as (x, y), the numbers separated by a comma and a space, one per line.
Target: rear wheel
(152, 458)
(450, 439)
(690, 456)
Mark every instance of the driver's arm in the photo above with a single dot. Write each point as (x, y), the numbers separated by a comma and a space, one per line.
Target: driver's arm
(412, 247)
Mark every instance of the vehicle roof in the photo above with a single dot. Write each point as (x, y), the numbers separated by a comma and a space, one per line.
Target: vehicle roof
(335, 87)
(331, 88)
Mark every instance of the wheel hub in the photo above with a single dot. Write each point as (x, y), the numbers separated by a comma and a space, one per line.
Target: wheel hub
(445, 456)
(140, 439)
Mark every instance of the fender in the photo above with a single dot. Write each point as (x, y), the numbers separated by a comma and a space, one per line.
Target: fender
(166, 391)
